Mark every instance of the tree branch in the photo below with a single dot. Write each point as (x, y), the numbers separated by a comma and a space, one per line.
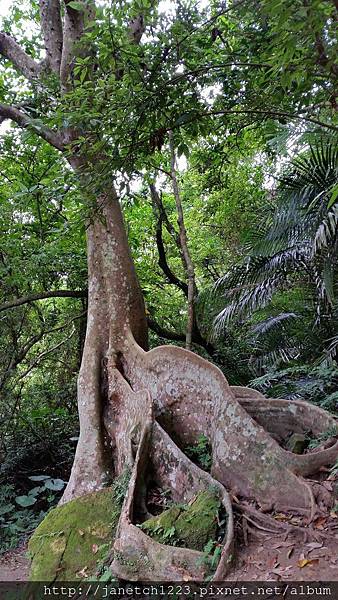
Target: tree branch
(24, 63)
(167, 334)
(174, 336)
(51, 26)
(41, 356)
(73, 29)
(162, 217)
(259, 112)
(43, 296)
(189, 267)
(23, 120)
(162, 258)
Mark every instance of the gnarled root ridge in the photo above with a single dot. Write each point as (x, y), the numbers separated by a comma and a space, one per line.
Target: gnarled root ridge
(162, 401)
(282, 417)
(138, 557)
(191, 397)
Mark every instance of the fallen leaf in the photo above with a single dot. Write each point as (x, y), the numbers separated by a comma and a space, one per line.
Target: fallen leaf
(95, 548)
(81, 532)
(304, 562)
(281, 570)
(83, 572)
(281, 545)
(314, 545)
(281, 517)
(319, 523)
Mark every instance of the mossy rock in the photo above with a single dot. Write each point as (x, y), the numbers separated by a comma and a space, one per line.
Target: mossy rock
(74, 537)
(191, 526)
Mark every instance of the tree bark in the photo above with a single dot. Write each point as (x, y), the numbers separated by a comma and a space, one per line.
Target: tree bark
(115, 309)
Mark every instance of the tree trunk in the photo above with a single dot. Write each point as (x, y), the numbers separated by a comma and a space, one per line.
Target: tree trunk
(140, 409)
(115, 308)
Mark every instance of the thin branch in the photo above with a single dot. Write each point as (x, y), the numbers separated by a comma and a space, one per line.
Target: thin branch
(184, 244)
(29, 345)
(43, 296)
(26, 122)
(136, 29)
(165, 333)
(19, 358)
(73, 29)
(264, 113)
(41, 356)
(25, 64)
(162, 218)
(162, 258)
(174, 336)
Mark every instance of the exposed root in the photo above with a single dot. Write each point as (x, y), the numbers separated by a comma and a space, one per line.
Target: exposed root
(161, 401)
(191, 397)
(139, 557)
(267, 523)
(282, 417)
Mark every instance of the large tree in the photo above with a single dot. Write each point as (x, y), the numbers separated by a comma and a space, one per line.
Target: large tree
(138, 408)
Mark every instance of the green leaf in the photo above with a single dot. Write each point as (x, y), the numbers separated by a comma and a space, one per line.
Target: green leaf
(25, 501)
(39, 477)
(75, 5)
(184, 118)
(55, 484)
(35, 491)
(106, 576)
(334, 196)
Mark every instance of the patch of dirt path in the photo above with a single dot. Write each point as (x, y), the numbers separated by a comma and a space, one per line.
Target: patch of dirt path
(265, 558)
(14, 565)
(279, 558)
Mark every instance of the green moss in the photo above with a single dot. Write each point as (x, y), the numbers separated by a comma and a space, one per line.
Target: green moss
(73, 537)
(191, 526)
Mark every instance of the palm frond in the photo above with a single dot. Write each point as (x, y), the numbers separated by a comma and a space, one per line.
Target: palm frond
(326, 231)
(275, 323)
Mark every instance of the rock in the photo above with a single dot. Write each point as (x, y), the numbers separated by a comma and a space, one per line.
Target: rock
(191, 526)
(297, 443)
(74, 537)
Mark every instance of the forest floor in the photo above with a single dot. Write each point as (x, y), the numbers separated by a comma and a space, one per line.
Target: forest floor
(276, 558)
(281, 558)
(14, 565)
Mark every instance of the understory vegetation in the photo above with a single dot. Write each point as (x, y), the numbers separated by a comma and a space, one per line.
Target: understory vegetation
(255, 149)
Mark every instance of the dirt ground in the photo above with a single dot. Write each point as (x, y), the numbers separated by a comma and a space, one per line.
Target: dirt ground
(14, 565)
(264, 558)
(285, 559)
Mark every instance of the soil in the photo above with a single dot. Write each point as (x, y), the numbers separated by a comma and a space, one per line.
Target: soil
(264, 558)
(280, 559)
(259, 555)
(14, 565)
(307, 555)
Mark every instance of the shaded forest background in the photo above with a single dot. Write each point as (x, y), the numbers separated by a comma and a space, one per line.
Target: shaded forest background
(256, 150)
